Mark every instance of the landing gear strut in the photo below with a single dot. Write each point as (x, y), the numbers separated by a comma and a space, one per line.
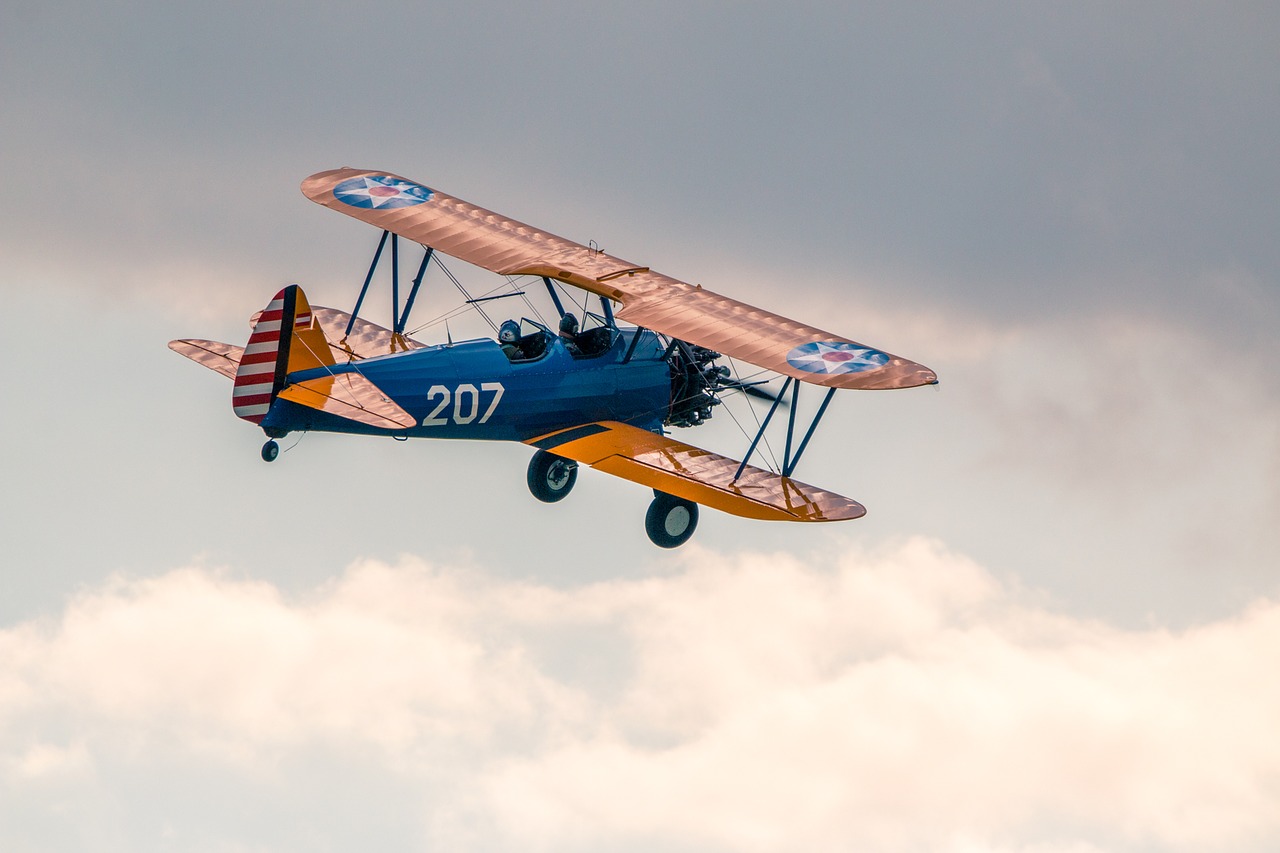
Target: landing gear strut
(551, 477)
(670, 520)
(270, 451)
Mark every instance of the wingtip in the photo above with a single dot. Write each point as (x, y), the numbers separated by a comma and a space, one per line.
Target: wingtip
(917, 376)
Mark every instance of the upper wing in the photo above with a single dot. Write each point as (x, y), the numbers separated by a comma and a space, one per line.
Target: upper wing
(698, 475)
(649, 299)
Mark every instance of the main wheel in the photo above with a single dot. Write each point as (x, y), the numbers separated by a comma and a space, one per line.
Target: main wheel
(270, 451)
(551, 477)
(670, 520)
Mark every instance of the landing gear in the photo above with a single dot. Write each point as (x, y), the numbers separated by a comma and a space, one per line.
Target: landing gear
(670, 520)
(270, 451)
(551, 477)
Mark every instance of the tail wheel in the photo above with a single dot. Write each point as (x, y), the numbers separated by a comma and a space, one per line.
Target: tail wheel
(670, 520)
(270, 451)
(551, 477)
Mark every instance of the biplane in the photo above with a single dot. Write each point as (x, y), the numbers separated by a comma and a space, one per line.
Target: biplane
(604, 396)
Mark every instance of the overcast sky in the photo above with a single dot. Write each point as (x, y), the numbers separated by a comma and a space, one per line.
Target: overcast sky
(1056, 629)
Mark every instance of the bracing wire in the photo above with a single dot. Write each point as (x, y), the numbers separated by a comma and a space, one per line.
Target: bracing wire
(467, 295)
(509, 282)
(524, 297)
(764, 439)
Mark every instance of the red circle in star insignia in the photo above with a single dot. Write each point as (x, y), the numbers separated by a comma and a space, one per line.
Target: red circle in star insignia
(837, 355)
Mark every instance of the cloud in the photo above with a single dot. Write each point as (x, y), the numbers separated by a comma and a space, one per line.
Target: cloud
(900, 699)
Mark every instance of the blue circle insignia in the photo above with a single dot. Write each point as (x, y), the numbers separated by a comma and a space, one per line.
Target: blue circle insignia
(836, 357)
(380, 192)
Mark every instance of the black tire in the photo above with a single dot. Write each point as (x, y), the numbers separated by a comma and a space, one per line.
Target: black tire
(551, 477)
(670, 520)
(270, 451)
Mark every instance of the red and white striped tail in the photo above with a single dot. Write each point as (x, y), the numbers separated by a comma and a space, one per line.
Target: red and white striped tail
(257, 379)
(286, 337)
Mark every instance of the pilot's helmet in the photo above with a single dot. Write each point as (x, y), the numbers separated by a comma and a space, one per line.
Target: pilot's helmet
(568, 325)
(509, 332)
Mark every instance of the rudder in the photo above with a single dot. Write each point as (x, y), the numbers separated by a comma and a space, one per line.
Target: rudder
(271, 354)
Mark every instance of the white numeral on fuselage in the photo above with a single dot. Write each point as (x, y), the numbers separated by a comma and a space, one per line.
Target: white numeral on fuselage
(466, 403)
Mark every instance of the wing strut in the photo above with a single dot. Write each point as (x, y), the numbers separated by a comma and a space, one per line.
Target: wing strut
(763, 426)
(413, 293)
(368, 278)
(395, 277)
(606, 306)
(789, 466)
(789, 462)
(555, 297)
(791, 426)
(634, 341)
(399, 318)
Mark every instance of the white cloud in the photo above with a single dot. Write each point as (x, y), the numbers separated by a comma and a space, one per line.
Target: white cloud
(896, 700)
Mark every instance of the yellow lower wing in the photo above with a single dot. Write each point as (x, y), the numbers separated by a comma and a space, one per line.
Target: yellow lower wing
(694, 474)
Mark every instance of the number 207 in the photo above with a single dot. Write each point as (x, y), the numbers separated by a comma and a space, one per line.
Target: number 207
(466, 403)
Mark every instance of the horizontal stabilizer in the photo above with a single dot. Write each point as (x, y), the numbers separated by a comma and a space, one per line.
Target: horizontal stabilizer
(698, 475)
(350, 396)
(214, 355)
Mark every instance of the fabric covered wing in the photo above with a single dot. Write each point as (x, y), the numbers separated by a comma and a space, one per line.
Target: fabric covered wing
(770, 341)
(649, 299)
(214, 355)
(350, 396)
(695, 474)
(366, 339)
(460, 229)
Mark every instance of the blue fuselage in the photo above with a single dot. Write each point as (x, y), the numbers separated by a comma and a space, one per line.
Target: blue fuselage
(472, 390)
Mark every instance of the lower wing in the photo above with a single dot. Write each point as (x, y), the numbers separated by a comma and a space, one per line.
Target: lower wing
(694, 474)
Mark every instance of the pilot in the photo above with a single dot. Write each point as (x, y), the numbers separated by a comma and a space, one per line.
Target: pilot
(509, 338)
(569, 333)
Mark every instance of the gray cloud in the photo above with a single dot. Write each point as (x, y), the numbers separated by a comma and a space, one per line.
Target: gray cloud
(1007, 159)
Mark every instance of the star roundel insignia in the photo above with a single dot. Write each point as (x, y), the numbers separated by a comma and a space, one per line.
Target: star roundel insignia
(380, 192)
(836, 357)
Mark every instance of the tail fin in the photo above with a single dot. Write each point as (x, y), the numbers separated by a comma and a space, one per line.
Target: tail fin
(286, 337)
